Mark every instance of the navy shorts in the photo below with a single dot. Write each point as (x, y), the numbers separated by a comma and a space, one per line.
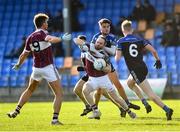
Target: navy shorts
(139, 74)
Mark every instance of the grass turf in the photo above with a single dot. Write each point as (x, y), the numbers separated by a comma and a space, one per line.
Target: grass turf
(37, 117)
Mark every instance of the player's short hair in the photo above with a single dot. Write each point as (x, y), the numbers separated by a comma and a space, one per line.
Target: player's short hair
(104, 20)
(39, 19)
(83, 37)
(102, 37)
(126, 25)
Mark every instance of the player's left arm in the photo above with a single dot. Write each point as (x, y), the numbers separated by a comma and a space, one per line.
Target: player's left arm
(150, 48)
(153, 51)
(54, 39)
(21, 59)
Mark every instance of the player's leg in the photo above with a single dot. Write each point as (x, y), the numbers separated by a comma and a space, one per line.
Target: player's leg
(133, 86)
(24, 97)
(97, 96)
(58, 93)
(121, 103)
(78, 91)
(88, 88)
(145, 86)
(105, 94)
(115, 80)
(51, 74)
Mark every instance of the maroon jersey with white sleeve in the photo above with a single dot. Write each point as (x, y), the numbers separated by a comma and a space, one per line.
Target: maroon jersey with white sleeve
(41, 49)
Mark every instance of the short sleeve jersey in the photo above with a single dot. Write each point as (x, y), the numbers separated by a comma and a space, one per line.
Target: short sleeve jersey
(132, 48)
(41, 49)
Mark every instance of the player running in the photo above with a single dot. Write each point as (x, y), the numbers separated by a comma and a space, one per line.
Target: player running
(131, 47)
(98, 78)
(39, 44)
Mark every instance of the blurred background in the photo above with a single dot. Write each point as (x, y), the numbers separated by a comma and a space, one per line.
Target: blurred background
(156, 20)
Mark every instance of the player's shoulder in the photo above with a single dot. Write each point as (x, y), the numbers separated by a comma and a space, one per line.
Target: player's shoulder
(97, 35)
(111, 35)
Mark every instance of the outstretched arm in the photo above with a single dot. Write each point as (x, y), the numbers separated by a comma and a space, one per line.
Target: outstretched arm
(53, 39)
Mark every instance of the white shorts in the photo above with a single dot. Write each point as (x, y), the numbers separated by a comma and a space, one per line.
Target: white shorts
(100, 82)
(48, 73)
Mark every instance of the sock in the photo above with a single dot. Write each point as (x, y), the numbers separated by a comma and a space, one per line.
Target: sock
(144, 101)
(88, 106)
(166, 109)
(128, 110)
(127, 101)
(94, 107)
(18, 108)
(55, 116)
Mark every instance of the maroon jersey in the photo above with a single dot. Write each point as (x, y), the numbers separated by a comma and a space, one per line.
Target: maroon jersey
(91, 71)
(41, 49)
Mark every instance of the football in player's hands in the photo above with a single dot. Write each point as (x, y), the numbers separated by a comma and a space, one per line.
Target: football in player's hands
(99, 64)
(66, 37)
(158, 64)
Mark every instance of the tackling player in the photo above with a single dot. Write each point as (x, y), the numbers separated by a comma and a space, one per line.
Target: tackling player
(131, 47)
(39, 44)
(110, 49)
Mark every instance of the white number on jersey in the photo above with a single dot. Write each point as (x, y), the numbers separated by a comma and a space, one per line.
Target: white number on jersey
(36, 46)
(133, 50)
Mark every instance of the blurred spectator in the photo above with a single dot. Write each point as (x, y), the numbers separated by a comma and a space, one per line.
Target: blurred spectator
(58, 50)
(50, 21)
(149, 11)
(15, 53)
(138, 11)
(170, 35)
(118, 30)
(58, 22)
(75, 6)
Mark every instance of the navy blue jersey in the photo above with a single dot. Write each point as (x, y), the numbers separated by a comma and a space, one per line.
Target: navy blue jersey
(132, 48)
(110, 39)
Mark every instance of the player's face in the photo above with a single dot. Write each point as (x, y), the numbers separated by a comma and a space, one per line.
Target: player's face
(45, 24)
(105, 28)
(99, 43)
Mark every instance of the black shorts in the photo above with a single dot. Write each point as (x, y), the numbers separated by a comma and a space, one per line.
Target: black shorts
(85, 77)
(112, 68)
(139, 74)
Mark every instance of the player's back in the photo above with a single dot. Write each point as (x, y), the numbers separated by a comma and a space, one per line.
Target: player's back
(132, 48)
(41, 49)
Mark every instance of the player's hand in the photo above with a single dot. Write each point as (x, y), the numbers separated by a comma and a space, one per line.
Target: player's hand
(66, 37)
(16, 67)
(158, 64)
(80, 68)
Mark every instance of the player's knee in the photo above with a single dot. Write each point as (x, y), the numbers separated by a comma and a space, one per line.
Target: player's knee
(130, 84)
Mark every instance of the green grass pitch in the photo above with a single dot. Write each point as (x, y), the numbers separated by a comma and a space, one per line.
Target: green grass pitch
(37, 117)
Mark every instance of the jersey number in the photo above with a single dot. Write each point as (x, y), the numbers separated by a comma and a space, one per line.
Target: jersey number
(133, 50)
(36, 46)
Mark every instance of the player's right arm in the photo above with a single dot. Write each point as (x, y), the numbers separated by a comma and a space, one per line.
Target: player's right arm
(21, 59)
